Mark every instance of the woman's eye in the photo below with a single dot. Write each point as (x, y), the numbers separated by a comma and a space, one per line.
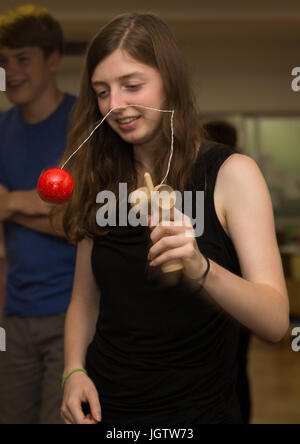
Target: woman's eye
(133, 86)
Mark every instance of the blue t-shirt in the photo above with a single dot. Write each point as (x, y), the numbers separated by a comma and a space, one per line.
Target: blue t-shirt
(40, 267)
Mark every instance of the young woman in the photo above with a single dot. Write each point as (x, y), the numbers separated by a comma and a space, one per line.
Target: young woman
(136, 352)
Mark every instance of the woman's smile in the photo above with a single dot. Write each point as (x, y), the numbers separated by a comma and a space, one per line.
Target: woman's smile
(130, 124)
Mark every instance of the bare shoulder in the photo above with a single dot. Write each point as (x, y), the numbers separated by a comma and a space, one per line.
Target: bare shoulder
(235, 169)
(239, 173)
(235, 162)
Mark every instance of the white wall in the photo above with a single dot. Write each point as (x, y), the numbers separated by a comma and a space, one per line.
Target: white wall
(230, 78)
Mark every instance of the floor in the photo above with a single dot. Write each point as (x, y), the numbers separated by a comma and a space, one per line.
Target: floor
(274, 372)
(3, 266)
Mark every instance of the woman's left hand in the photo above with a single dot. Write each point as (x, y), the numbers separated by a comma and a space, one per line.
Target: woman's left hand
(177, 240)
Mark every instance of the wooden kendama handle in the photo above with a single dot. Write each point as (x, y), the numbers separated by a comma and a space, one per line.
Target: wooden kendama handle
(173, 265)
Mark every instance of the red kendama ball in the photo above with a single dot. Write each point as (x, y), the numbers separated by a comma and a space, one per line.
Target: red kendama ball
(55, 185)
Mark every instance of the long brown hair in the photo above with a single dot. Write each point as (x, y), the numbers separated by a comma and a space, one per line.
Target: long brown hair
(107, 160)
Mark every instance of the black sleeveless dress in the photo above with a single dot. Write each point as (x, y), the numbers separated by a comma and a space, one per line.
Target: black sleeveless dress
(164, 355)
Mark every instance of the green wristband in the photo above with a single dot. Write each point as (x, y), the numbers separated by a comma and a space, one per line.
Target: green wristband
(70, 374)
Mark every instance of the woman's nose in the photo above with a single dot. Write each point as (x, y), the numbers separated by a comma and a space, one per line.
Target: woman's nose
(116, 101)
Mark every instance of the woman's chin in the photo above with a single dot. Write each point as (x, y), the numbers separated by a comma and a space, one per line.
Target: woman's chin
(135, 139)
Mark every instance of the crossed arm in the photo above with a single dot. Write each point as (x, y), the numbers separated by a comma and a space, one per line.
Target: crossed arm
(27, 209)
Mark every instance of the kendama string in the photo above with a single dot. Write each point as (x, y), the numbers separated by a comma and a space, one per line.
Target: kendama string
(147, 107)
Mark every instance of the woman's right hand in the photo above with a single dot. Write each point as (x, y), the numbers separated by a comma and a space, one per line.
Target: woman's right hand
(79, 388)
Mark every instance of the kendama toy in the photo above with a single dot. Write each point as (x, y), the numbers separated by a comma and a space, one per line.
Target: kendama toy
(159, 201)
(56, 185)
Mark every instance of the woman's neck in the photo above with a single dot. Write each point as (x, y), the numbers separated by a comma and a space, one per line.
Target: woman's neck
(145, 162)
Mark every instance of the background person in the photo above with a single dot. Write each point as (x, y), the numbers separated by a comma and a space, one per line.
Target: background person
(40, 260)
(221, 132)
